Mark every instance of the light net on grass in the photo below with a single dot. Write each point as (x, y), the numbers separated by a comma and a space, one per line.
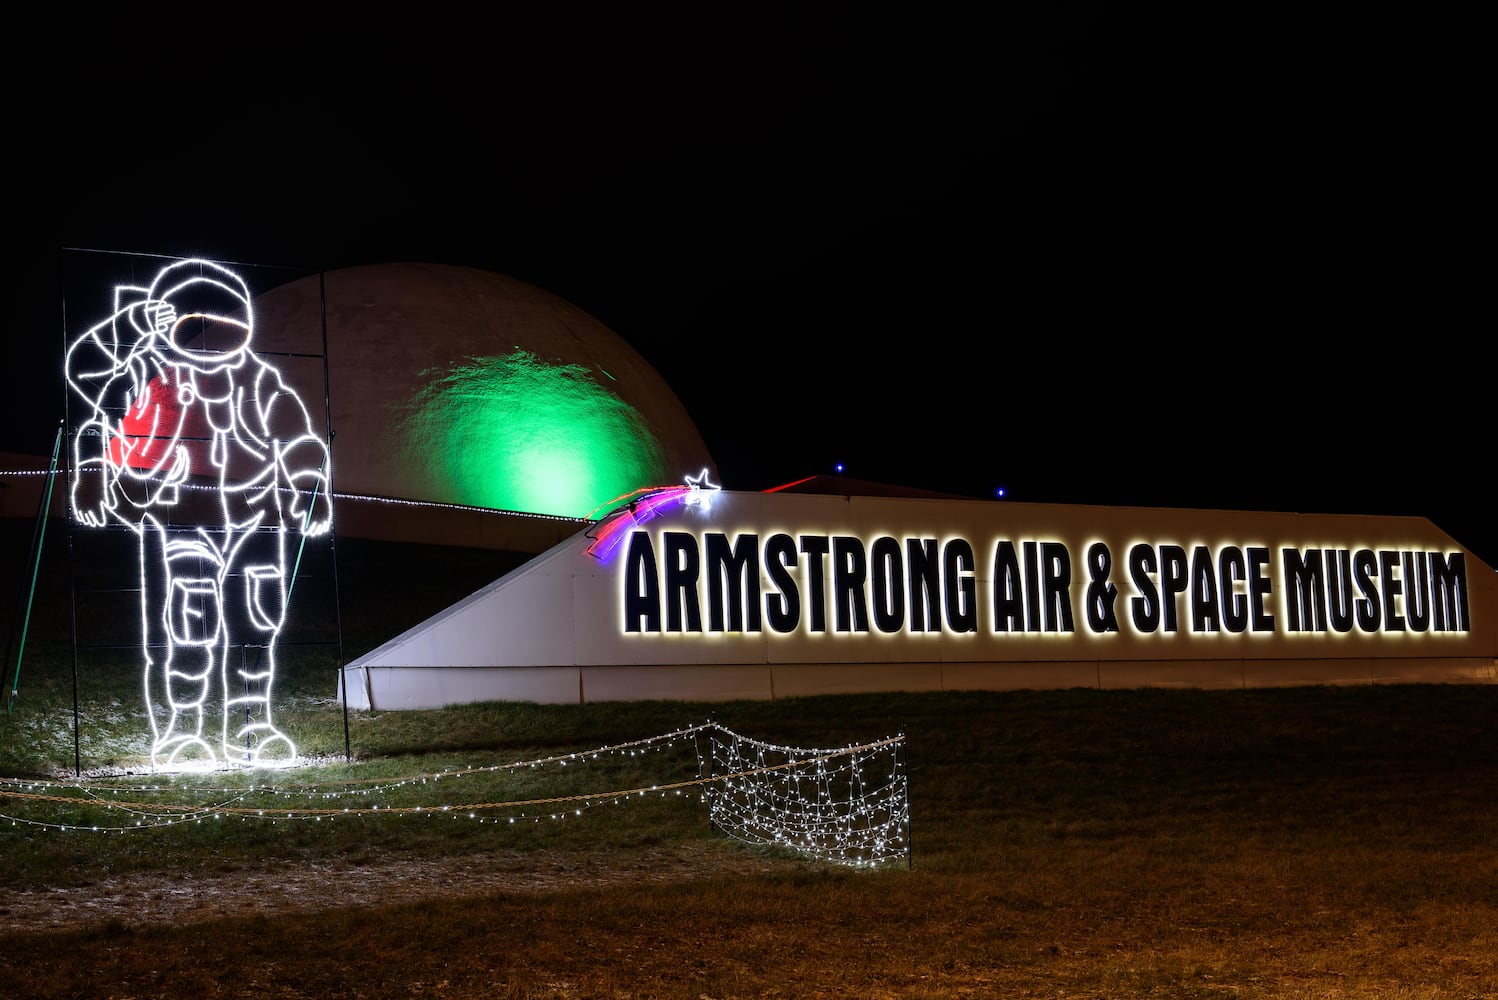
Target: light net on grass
(848, 805)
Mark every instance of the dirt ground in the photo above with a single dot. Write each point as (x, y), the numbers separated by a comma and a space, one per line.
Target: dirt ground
(138, 900)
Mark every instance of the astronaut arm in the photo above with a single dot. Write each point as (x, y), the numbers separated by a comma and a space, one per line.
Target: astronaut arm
(94, 476)
(305, 462)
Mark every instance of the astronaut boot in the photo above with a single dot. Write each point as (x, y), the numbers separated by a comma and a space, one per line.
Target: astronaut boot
(266, 746)
(180, 745)
(255, 742)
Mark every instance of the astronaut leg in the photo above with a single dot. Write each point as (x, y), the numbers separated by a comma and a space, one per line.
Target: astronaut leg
(192, 617)
(250, 737)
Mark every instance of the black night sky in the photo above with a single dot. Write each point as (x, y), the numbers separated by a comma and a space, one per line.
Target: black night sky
(1226, 261)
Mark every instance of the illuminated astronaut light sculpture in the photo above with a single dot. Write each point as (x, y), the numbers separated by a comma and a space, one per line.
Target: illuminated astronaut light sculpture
(178, 403)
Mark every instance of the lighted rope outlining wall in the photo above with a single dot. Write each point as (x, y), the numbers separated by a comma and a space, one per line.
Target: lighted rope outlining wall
(848, 806)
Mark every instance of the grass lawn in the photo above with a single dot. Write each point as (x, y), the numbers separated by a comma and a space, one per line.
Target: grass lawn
(1284, 843)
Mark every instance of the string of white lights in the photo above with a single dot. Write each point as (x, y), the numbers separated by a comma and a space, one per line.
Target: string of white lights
(823, 803)
(333, 788)
(339, 495)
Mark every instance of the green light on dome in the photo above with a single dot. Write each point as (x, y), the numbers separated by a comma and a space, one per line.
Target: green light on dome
(517, 433)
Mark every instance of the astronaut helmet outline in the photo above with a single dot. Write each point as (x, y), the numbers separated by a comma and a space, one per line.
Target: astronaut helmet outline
(202, 312)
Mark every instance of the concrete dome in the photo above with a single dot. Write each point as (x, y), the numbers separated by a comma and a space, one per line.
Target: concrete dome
(453, 385)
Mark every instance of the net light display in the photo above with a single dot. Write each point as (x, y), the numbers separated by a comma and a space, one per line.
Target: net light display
(847, 806)
(178, 410)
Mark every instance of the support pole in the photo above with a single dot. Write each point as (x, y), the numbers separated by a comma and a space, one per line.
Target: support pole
(327, 405)
(34, 561)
